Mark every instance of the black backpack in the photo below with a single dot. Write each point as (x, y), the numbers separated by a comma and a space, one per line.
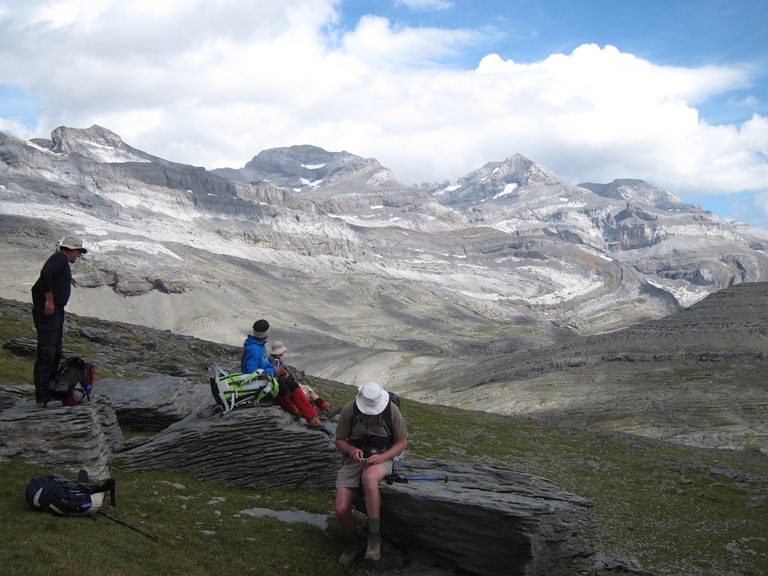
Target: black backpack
(74, 381)
(64, 497)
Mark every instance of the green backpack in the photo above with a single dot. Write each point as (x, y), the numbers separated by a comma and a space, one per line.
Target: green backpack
(232, 389)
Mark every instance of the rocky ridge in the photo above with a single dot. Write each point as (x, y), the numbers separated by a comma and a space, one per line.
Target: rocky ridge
(363, 277)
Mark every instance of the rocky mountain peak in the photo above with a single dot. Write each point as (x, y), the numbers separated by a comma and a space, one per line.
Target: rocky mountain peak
(633, 190)
(516, 169)
(95, 143)
(307, 167)
(496, 180)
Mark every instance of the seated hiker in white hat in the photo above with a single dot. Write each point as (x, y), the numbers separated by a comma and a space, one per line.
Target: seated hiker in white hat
(371, 432)
(276, 353)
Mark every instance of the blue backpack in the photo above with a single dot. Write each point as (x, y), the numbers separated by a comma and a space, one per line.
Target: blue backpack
(64, 497)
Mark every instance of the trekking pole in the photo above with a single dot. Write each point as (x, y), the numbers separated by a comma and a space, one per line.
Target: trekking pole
(139, 530)
(405, 479)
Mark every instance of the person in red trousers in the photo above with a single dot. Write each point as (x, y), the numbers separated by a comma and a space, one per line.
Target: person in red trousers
(289, 398)
(276, 352)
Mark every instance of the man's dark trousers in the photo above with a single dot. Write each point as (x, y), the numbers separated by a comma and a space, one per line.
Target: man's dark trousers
(50, 333)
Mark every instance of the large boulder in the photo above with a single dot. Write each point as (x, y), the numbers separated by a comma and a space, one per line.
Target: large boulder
(487, 521)
(257, 446)
(152, 404)
(62, 439)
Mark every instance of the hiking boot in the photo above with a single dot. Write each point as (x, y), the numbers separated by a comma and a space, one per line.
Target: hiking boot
(374, 547)
(314, 422)
(350, 553)
(332, 412)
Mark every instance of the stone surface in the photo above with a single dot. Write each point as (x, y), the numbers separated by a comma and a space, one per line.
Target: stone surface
(154, 403)
(258, 446)
(488, 521)
(61, 438)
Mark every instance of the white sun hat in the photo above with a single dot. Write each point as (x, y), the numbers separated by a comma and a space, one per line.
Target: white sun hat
(371, 399)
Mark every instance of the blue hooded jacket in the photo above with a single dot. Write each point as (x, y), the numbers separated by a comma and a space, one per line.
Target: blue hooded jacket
(255, 356)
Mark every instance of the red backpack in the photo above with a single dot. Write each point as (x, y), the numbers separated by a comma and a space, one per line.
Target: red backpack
(74, 381)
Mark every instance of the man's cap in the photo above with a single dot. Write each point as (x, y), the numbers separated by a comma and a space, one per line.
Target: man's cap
(260, 329)
(72, 243)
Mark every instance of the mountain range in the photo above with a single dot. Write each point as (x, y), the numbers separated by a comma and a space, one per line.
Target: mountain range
(365, 278)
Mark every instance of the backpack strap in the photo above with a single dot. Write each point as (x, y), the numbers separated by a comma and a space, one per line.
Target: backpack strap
(107, 486)
(387, 419)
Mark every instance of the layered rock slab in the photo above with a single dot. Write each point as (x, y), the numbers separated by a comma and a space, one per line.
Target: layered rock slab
(487, 521)
(250, 447)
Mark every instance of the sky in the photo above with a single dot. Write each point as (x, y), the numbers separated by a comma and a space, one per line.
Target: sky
(669, 91)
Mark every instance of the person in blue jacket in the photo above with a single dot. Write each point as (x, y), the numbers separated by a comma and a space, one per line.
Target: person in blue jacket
(50, 295)
(255, 357)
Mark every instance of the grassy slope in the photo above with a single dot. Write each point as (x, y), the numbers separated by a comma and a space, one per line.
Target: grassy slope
(678, 511)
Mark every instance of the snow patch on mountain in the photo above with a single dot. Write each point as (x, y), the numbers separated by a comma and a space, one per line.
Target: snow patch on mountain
(110, 155)
(442, 191)
(508, 189)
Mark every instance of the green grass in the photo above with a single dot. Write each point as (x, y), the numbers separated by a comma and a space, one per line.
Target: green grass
(199, 529)
(679, 511)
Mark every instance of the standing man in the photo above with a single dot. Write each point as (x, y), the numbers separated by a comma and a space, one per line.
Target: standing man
(50, 295)
(371, 432)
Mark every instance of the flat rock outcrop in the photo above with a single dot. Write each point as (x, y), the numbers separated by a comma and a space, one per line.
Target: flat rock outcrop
(259, 446)
(154, 403)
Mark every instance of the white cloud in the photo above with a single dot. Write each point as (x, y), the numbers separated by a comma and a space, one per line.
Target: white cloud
(213, 84)
(16, 128)
(381, 46)
(424, 4)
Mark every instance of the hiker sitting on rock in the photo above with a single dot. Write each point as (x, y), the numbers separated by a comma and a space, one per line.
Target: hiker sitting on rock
(276, 352)
(371, 432)
(255, 357)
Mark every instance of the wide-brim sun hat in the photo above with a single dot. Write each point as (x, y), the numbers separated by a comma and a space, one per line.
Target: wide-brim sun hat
(371, 399)
(72, 243)
(277, 348)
